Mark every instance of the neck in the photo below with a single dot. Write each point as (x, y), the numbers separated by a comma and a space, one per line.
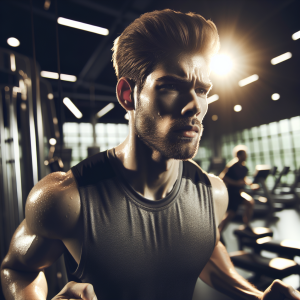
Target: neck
(146, 170)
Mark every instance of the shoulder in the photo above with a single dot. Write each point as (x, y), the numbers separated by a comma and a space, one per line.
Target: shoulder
(220, 196)
(92, 169)
(53, 206)
(192, 171)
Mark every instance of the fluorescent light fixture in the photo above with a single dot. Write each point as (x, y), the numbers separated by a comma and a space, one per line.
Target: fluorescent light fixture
(221, 64)
(237, 108)
(296, 35)
(275, 96)
(13, 42)
(71, 106)
(54, 75)
(13, 62)
(52, 141)
(248, 80)
(82, 26)
(281, 58)
(212, 98)
(105, 110)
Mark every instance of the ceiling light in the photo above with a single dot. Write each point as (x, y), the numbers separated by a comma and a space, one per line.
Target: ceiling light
(71, 106)
(237, 108)
(214, 117)
(54, 75)
(13, 62)
(296, 35)
(105, 110)
(13, 42)
(212, 98)
(50, 96)
(221, 64)
(82, 26)
(281, 58)
(275, 96)
(248, 80)
(52, 141)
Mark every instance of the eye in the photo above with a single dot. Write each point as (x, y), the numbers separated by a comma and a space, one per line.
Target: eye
(168, 86)
(201, 91)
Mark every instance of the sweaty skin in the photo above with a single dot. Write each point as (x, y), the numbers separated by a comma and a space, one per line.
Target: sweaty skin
(176, 90)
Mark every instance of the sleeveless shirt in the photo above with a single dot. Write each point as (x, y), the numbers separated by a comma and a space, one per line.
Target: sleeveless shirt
(139, 249)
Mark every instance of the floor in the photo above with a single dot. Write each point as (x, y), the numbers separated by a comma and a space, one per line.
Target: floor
(285, 227)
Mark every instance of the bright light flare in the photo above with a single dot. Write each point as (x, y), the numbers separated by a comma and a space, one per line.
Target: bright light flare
(278, 59)
(275, 96)
(13, 42)
(82, 26)
(296, 35)
(52, 141)
(237, 108)
(105, 110)
(212, 98)
(126, 117)
(221, 64)
(71, 106)
(13, 62)
(248, 80)
(54, 75)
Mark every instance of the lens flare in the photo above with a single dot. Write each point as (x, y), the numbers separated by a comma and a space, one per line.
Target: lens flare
(221, 64)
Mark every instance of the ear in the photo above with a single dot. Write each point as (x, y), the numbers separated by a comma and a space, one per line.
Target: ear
(125, 94)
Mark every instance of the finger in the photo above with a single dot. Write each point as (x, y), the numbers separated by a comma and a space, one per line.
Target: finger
(77, 291)
(282, 288)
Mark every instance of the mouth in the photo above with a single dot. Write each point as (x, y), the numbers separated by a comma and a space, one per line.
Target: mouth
(188, 131)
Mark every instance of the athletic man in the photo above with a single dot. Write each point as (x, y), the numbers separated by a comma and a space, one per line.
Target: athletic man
(235, 178)
(139, 221)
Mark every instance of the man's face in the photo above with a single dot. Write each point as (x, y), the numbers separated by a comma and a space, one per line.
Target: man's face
(171, 106)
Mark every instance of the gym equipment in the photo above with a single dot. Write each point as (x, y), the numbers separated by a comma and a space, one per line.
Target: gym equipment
(264, 205)
(284, 171)
(261, 239)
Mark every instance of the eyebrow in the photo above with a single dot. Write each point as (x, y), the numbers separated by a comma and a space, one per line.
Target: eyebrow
(180, 80)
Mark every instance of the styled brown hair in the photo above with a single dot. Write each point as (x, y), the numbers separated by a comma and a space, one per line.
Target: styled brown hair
(157, 35)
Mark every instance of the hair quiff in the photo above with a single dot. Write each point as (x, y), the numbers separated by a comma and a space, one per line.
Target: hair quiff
(157, 35)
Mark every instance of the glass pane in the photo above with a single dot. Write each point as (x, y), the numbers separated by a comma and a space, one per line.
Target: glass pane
(245, 134)
(100, 129)
(254, 131)
(70, 128)
(263, 130)
(111, 129)
(295, 123)
(86, 129)
(286, 141)
(284, 126)
(273, 128)
(296, 139)
(275, 143)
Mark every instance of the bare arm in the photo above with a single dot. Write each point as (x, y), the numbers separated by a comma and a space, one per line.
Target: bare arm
(220, 273)
(22, 273)
(37, 242)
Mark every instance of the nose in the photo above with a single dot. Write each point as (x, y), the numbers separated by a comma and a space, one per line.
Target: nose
(193, 107)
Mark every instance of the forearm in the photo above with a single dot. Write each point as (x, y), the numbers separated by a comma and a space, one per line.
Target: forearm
(220, 274)
(230, 181)
(19, 285)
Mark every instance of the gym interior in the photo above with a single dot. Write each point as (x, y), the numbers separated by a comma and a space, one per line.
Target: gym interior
(58, 106)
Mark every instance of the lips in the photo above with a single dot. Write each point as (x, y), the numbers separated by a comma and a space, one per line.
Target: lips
(188, 131)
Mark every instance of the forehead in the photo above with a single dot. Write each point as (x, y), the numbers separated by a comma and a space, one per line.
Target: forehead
(191, 67)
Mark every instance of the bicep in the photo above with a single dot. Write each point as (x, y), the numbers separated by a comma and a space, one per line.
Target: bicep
(31, 252)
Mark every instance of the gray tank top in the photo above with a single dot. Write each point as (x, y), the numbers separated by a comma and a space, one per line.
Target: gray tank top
(139, 249)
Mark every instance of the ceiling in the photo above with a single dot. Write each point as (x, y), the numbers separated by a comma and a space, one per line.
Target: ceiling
(251, 32)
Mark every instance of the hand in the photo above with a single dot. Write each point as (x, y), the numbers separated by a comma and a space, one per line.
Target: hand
(278, 290)
(254, 186)
(74, 291)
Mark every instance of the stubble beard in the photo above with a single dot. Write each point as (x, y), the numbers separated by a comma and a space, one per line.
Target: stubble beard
(168, 145)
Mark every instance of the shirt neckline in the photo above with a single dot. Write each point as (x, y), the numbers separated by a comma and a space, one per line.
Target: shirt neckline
(136, 197)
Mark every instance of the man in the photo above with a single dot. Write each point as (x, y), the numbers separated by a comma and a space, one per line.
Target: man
(141, 220)
(235, 178)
